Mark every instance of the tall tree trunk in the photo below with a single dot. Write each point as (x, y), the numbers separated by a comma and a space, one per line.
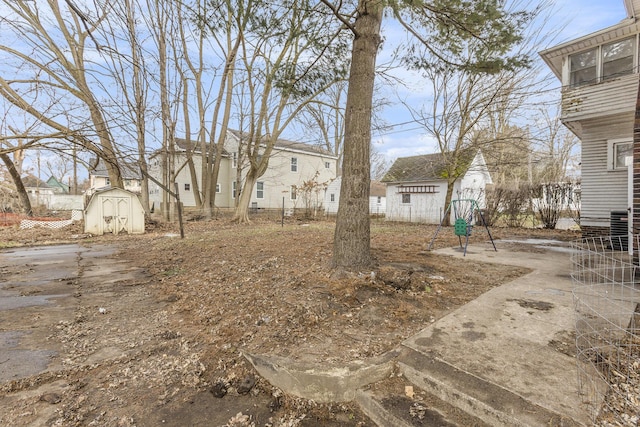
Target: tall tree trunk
(241, 214)
(351, 245)
(446, 220)
(17, 180)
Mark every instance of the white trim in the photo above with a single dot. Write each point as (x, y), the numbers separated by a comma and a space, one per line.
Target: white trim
(260, 190)
(611, 158)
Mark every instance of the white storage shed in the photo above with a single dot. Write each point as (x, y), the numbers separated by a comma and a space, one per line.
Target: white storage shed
(114, 210)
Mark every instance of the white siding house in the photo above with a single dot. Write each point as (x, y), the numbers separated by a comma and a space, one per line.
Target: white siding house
(292, 166)
(377, 198)
(416, 191)
(599, 75)
(99, 177)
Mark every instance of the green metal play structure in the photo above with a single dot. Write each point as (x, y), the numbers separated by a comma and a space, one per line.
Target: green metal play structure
(463, 212)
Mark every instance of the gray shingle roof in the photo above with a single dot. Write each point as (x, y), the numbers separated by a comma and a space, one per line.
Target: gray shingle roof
(291, 145)
(128, 170)
(426, 167)
(184, 144)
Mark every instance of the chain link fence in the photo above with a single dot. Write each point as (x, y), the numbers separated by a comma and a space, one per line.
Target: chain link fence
(607, 302)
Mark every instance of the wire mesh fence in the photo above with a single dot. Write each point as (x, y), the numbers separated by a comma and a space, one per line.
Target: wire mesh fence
(607, 303)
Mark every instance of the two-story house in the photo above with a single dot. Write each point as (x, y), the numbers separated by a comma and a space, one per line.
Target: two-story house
(99, 177)
(599, 75)
(291, 165)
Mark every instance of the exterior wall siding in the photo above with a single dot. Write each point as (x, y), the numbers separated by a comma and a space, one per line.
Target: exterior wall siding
(424, 208)
(331, 207)
(277, 180)
(616, 96)
(603, 190)
(377, 208)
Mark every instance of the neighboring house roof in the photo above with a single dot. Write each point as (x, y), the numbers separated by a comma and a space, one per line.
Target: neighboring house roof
(426, 167)
(285, 144)
(377, 189)
(31, 181)
(187, 145)
(55, 184)
(128, 170)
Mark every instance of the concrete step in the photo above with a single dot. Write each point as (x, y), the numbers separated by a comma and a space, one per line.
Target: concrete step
(494, 405)
(388, 404)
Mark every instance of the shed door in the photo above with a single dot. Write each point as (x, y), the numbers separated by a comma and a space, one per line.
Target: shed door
(116, 212)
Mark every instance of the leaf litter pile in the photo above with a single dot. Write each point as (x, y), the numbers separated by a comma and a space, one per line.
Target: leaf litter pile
(167, 349)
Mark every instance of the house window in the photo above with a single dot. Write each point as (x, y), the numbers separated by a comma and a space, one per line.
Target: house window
(218, 188)
(107, 181)
(379, 199)
(260, 190)
(617, 58)
(234, 185)
(327, 165)
(604, 62)
(332, 197)
(583, 67)
(294, 164)
(234, 161)
(293, 195)
(187, 187)
(617, 151)
(406, 198)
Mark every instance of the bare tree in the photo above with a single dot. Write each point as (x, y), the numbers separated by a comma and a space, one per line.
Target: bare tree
(53, 74)
(124, 50)
(291, 55)
(442, 29)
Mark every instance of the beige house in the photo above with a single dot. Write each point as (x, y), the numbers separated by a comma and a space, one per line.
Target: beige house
(291, 165)
(99, 177)
(599, 75)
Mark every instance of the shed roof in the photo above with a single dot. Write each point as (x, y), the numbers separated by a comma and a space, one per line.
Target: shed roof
(426, 167)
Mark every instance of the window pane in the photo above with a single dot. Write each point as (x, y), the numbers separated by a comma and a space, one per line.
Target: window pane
(406, 198)
(621, 151)
(583, 67)
(260, 190)
(617, 58)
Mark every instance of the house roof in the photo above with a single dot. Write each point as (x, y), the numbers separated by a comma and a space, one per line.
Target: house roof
(31, 181)
(185, 145)
(54, 183)
(632, 7)
(285, 144)
(128, 170)
(377, 189)
(554, 55)
(426, 167)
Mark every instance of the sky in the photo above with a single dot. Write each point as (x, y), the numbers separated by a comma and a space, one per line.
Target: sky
(572, 18)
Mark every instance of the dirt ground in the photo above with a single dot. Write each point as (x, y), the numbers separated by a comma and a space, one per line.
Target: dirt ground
(166, 348)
